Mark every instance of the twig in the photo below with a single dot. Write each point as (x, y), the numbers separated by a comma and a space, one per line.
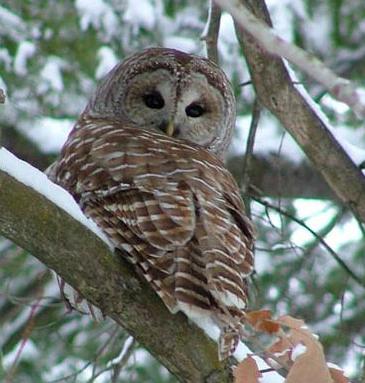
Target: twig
(335, 256)
(125, 354)
(256, 112)
(210, 35)
(26, 334)
(341, 88)
(2, 96)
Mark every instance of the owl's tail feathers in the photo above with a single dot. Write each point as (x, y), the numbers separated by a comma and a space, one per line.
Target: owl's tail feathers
(227, 343)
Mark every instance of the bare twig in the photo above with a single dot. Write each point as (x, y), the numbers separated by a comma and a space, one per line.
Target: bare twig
(256, 112)
(210, 35)
(2, 96)
(341, 88)
(335, 256)
(26, 334)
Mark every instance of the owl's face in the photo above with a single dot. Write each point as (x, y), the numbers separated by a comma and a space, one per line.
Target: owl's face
(170, 92)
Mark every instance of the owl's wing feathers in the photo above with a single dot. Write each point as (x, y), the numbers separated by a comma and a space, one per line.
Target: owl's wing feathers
(178, 209)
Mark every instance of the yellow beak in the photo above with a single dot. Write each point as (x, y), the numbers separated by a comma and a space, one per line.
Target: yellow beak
(170, 129)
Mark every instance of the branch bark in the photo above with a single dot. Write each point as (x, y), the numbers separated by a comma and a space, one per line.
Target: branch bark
(277, 93)
(86, 263)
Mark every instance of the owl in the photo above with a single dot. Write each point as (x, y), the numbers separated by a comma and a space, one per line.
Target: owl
(144, 161)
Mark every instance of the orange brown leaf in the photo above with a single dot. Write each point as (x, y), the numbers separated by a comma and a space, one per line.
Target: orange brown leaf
(247, 371)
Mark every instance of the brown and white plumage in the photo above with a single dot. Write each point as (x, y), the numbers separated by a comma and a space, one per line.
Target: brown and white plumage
(167, 204)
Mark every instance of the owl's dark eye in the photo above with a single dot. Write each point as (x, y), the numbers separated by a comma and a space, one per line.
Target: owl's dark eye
(154, 100)
(194, 110)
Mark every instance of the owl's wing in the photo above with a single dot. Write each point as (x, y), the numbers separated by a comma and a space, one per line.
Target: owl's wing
(141, 188)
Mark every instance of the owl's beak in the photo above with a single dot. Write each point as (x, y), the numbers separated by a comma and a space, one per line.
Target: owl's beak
(168, 127)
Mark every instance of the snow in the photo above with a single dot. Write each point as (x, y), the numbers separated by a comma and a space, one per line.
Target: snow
(184, 44)
(51, 74)
(267, 377)
(271, 377)
(357, 154)
(227, 32)
(140, 14)
(5, 58)
(11, 25)
(32, 177)
(97, 13)
(26, 50)
(122, 353)
(29, 352)
(297, 351)
(49, 134)
(107, 60)
(270, 138)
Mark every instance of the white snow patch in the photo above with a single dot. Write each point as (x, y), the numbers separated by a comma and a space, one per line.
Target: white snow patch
(5, 58)
(298, 350)
(49, 134)
(270, 139)
(107, 60)
(97, 13)
(32, 177)
(3, 85)
(337, 106)
(11, 25)
(270, 377)
(184, 44)
(334, 366)
(140, 14)
(26, 50)
(227, 32)
(51, 74)
(29, 352)
(122, 353)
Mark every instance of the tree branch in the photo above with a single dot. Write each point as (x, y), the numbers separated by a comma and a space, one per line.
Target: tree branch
(210, 35)
(276, 176)
(277, 93)
(341, 88)
(104, 279)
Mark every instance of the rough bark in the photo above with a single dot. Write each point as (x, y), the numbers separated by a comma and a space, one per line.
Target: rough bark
(86, 263)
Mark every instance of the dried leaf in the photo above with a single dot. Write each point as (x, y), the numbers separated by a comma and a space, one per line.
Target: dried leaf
(262, 321)
(247, 371)
(310, 366)
(338, 376)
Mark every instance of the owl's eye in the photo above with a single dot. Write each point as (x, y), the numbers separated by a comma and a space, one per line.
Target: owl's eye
(194, 110)
(154, 100)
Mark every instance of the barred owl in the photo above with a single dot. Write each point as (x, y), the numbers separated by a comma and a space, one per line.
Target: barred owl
(143, 162)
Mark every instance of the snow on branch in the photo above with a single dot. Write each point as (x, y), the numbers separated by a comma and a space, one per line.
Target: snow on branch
(341, 88)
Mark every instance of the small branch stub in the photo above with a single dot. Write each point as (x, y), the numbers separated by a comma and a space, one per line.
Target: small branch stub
(2, 96)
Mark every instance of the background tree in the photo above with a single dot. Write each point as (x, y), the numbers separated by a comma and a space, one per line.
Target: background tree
(310, 248)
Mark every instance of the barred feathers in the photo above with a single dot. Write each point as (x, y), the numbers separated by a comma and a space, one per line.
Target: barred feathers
(172, 209)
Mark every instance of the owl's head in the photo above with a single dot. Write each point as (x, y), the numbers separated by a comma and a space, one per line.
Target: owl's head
(171, 92)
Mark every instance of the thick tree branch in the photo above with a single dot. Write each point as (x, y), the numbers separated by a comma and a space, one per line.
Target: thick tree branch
(278, 177)
(86, 263)
(276, 92)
